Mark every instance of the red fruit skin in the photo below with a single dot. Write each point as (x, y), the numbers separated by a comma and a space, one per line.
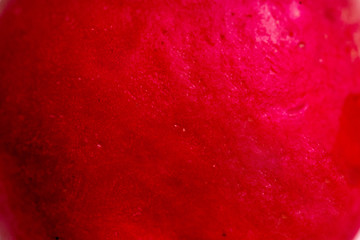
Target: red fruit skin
(184, 120)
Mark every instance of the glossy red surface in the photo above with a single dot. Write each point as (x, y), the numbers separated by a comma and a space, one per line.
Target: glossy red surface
(188, 120)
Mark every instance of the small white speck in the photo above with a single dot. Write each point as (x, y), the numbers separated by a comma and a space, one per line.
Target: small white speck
(183, 129)
(213, 165)
(98, 145)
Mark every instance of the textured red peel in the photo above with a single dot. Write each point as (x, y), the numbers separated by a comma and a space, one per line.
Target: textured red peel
(179, 120)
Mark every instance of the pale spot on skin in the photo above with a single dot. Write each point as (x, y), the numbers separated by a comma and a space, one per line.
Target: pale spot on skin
(354, 54)
(357, 237)
(294, 10)
(351, 15)
(270, 25)
(356, 37)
